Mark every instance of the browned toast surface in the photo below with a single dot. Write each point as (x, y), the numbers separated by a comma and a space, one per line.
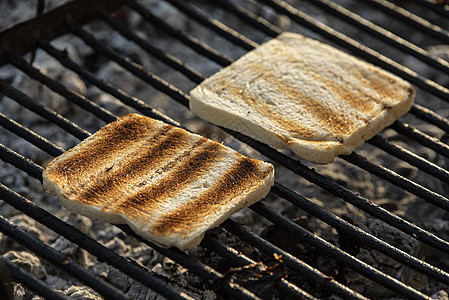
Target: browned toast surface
(168, 184)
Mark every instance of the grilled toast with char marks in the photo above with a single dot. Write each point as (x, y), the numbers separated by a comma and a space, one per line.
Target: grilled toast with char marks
(296, 93)
(167, 184)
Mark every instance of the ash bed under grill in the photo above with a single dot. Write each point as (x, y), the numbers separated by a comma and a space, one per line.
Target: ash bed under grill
(372, 224)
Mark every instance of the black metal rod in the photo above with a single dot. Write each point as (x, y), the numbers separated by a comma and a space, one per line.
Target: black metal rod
(250, 18)
(31, 282)
(58, 260)
(59, 88)
(187, 39)
(420, 137)
(25, 133)
(126, 99)
(398, 180)
(77, 237)
(367, 240)
(329, 249)
(411, 19)
(241, 259)
(430, 116)
(131, 66)
(359, 49)
(410, 157)
(218, 27)
(24, 100)
(164, 57)
(22, 163)
(327, 283)
(195, 266)
(442, 10)
(382, 34)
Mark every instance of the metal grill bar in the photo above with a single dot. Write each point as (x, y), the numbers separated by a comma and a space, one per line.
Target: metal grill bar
(398, 180)
(240, 259)
(381, 33)
(411, 19)
(31, 282)
(251, 18)
(126, 99)
(410, 157)
(42, 111)
(20, 162)
(166, 58)
(218, 27)
(184, 37)
(196, 267)
(58, 260)
(131, 66)
(430, 116)
(57, 87)
(440, 9)
(361, 236)
(329, 249)
(422, 138)
(74, 235)
(30, 136)
(292, 262)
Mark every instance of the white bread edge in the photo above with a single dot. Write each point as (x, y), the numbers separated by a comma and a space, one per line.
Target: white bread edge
(90, 211)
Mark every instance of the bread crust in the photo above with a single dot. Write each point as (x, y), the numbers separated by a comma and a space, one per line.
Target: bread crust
(167, 184)
(296, 93)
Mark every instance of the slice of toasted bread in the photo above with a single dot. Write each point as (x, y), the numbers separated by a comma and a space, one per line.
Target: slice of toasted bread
(296, 93)
(167, 184)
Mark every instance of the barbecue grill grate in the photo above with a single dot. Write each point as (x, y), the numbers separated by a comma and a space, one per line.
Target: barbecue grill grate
(71, 19)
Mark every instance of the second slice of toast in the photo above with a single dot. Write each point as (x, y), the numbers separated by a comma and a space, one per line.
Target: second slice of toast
(296, 93)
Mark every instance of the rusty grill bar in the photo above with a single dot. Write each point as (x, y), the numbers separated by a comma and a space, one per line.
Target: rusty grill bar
(12, 54)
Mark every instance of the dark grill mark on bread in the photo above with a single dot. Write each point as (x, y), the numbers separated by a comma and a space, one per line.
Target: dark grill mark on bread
(244, 176)
(155, 150)
(147, 199)
(108, 141)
